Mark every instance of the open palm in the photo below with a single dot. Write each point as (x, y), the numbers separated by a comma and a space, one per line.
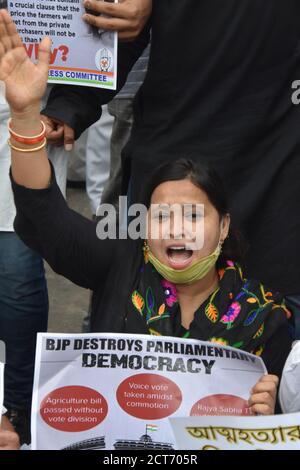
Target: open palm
(25, 81)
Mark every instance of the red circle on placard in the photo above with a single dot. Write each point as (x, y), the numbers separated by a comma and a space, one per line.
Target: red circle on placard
(149, 396)
(221, 405)
(73, 408)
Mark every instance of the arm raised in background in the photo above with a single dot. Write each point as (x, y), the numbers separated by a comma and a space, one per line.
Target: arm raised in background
(72, 109)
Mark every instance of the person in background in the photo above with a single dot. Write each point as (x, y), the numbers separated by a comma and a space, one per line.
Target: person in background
(129, 21)
(219, 86)
(121, 108)
(89, 161)
(289, 392)
(23, 289)
(90, 164)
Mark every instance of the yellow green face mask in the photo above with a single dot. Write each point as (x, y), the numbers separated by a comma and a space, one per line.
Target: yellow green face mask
(193, 273)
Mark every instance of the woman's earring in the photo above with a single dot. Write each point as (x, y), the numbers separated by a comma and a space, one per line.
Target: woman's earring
(146, 250)
(146, 246)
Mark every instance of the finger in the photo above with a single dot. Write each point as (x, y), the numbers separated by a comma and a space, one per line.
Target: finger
(13, 34)
(5, 39)
(44, 53)
(116, 10)
(270, 378)
(127, 36)
(49, 123)
(54, 131)
(52, 126)
(69, 137)
(261, 398)
(267, 387)
(55, 139)
(109, 24)
(262, 410)
(55, 134)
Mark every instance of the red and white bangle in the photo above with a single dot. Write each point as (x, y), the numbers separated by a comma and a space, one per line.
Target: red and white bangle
(29, 150)
(28, 140)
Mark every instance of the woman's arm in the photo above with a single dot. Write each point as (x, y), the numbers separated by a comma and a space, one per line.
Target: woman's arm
(65, 239)
(25, 85)
(45, 223)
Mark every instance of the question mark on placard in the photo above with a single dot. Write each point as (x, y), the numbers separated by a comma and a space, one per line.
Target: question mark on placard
(65, 51)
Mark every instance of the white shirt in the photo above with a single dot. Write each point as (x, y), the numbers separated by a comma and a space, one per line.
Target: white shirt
(289, 392)
(7, 207)
(57, 155)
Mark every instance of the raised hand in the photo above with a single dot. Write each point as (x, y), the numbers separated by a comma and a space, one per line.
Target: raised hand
(25, 81)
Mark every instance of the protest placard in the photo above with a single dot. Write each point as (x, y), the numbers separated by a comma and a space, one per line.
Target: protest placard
(280, 432)
(80, 55)
(113, 391)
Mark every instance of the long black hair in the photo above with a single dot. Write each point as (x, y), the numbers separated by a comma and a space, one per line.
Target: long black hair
(208, 180)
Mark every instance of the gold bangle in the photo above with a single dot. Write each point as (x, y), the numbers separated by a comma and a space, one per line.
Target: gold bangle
(27, 136)
(34, 149)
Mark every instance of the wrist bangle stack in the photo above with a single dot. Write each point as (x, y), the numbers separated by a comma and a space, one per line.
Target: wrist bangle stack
(28, 140)
(34, 149)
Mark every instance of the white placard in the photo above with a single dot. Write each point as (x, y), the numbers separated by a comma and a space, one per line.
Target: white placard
(80, 54)
(114, 391)
(279, 432)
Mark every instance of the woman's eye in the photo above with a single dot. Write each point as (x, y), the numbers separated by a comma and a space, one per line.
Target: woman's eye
(193, 216)
(162, 217)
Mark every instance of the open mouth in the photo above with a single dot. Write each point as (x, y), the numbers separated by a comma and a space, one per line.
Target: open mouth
(179, 256)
